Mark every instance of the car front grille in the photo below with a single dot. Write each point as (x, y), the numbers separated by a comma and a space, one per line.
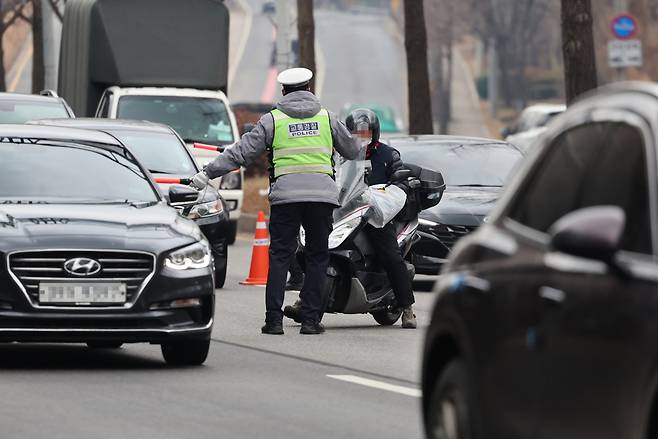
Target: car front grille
(450, 234)
(33, 267)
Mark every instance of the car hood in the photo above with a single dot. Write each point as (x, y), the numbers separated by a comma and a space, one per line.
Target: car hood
(466, 206)
(154, 228)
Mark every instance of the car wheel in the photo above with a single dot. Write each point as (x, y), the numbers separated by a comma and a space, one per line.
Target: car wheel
(448, 416)
(232, 232)
(186, 353)
(104, 344)
(221, 265)
(387, 317)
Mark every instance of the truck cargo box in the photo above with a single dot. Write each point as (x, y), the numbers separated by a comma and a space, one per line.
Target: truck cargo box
(133, 43)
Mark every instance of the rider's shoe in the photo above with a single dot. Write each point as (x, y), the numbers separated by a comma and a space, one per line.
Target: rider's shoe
(409, 318)
(294, 311)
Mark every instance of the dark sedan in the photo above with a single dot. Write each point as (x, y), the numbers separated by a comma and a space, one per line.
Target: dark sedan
(91, 252)
(474, 170)
(545, 321)
(164, 154)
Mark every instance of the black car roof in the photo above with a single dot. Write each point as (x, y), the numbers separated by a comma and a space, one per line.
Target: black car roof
(10, 133)
(439, 138)
(91, 123)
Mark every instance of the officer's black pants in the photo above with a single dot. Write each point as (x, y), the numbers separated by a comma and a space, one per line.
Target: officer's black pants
(385, 244)
(285, 219)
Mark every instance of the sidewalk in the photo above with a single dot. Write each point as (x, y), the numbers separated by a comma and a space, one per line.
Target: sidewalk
(467, 117)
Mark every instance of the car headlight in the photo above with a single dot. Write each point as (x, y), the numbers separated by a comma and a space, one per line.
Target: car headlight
(230, 181)
(203, 210)
(191, 257)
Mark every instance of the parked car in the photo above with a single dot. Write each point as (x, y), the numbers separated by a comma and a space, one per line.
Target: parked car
(534, 116)
(474, 170)
(545, 320)
(198, 116)
(92, 253)
(19, 108)
(164, 154)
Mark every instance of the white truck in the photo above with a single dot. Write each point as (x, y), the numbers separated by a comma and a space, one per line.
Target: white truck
(200, 117)
(159, 60)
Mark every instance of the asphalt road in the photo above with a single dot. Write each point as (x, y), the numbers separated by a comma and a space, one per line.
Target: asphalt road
(356, 380)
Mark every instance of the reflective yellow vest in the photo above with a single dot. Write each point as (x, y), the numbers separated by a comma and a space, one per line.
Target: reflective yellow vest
(302, 146)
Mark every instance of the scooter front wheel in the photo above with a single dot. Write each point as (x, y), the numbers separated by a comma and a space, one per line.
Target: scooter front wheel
(387, 317)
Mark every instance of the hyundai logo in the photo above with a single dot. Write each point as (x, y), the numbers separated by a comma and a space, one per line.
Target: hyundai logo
(82, 266)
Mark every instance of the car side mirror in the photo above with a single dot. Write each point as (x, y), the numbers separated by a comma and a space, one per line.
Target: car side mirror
(182, 194)
(592, 233)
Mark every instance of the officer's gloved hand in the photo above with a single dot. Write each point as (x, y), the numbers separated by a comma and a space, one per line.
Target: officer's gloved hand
(200, 180)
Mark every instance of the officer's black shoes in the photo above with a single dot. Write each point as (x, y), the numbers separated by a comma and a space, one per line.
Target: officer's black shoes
(310, 327)
(272, 328)
(293, 312)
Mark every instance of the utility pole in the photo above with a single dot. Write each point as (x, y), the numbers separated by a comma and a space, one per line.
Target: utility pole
(578, 48)
(282, 35)
(621, 6)
(492, 77)
(306, 36)
(52, 29)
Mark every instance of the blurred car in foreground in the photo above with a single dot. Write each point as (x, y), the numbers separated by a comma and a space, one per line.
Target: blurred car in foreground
(388, 121)
(164, 154)
(534, 116)
(474, 170)
(545, 321)
(91, 253)
(19, 108)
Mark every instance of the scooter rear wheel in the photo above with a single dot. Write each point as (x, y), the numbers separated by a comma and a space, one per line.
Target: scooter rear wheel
(387, 317)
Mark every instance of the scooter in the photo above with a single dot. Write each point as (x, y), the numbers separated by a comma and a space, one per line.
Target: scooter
(356, 282)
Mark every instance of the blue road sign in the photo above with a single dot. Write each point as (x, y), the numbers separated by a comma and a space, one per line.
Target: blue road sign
(624, 27)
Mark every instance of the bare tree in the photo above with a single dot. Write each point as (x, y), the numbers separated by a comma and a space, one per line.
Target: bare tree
(415, 41)
(306, 36)
(10, 11)
(57, 6)
(578, 47)
(38, 60)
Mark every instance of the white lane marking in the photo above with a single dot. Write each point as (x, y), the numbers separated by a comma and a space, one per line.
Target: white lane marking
(408, 391)
(246, 30)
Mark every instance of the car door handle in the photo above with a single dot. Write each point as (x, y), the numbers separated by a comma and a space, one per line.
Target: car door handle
(552, 295)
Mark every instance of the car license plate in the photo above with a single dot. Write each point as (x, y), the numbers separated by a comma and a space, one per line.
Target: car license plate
(82, 293)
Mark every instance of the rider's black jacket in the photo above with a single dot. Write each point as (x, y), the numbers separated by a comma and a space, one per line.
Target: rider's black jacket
(385, 161)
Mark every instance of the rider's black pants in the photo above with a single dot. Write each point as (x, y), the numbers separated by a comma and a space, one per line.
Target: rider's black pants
(285, 219)
(385, 244)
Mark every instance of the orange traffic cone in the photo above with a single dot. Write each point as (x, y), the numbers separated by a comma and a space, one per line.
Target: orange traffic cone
(260, 261)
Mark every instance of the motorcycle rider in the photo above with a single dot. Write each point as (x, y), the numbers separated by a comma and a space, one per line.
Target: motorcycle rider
(385, 161)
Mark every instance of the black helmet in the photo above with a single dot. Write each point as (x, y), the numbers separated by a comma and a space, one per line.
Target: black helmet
(363, 119)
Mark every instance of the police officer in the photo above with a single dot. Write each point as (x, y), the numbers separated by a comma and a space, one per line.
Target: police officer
(384, 162)
(300, 137)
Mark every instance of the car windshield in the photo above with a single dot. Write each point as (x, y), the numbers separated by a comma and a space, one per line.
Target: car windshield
(204, 120)
(160, 153)
(59, 172)
(14, 111)
(474, 164)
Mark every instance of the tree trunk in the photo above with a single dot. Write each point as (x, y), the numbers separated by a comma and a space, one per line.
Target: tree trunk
(415, 41)
(578, 48)
(38, 67)
(3, 83)
(306, 36)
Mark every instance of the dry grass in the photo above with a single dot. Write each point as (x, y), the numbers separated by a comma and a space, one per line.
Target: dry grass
(253, 200)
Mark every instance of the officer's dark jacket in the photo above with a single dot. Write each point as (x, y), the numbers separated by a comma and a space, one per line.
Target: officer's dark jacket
(385, 161)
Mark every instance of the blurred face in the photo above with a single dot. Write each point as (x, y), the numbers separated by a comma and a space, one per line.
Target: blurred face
(364, 136)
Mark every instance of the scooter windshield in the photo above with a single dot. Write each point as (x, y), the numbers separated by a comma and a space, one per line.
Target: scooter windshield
(350, 178)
